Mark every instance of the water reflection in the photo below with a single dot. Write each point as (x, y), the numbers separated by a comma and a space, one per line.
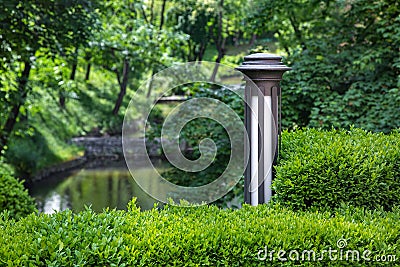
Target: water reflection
(54, 202)
(98, 188)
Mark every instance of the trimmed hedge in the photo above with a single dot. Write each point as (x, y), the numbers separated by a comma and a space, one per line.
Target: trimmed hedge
(325, 169)
(198, 236)
(14, 197)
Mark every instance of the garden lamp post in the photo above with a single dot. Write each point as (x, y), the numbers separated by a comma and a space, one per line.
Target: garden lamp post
(263, 73)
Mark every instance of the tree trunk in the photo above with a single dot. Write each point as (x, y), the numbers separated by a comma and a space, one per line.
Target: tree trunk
(219, 43)
(189, 55)
(221, 53)
(297, 31)
(253, 39)
(285, 46)
(150, 85)
(162, 14)
(151, 11)
(71, 77)
(201, 51)
(87, 74)
(195, 53)
(122, 85)
(73, 70)
(144, 14)
(12, 117)
(236, 39)
(61, 99)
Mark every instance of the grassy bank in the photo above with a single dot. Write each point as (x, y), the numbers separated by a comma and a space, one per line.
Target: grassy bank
(41, 139)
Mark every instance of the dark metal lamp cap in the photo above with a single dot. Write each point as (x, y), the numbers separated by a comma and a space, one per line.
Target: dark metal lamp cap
(262, 62)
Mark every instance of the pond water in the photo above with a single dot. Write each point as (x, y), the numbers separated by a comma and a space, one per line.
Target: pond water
(98, 188)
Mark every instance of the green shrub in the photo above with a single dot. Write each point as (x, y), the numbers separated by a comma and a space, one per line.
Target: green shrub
(323, 169)
(198, 236)
(14, 197)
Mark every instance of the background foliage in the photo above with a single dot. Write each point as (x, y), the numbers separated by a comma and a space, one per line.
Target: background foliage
(199, 129)
(345, 66)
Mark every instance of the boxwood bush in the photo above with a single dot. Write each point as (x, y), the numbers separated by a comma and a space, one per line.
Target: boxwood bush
(324, 169)
(14, 197)
(200, 236)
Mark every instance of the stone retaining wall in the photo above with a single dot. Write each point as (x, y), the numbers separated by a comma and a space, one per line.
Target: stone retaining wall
(98, 151)
(100, 146)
